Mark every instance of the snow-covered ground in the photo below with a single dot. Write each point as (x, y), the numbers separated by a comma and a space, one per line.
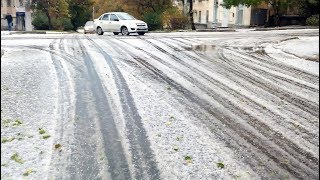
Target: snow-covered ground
(184, 105)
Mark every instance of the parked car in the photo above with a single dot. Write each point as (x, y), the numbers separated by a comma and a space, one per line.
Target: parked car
(89, 27)
(119, 22)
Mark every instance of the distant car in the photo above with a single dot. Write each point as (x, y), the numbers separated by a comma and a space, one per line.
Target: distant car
(89, 27)
(119, 22)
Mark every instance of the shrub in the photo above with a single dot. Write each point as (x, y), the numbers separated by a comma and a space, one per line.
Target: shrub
(154, 20)
(67, 25)
(62, 24)
(313, 20)
(174, 19)
(40, 21)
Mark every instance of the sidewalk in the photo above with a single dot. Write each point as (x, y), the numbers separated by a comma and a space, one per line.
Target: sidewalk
(32, 32)
(285, 28)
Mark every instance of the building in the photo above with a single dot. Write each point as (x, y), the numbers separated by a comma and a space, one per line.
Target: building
(20, 11)
(211, 13)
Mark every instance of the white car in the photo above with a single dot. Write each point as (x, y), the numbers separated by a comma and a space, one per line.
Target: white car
(119, 22)
(88, 27)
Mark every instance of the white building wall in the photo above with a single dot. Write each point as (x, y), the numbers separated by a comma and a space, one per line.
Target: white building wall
(204, 5)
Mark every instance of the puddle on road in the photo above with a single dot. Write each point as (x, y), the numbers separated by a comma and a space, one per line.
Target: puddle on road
(203, 47)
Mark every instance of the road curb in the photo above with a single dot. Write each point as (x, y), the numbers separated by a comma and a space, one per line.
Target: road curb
(286, 28)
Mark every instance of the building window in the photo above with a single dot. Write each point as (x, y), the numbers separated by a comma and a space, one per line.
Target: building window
(9, 3)
(199, 16)
(207, 16)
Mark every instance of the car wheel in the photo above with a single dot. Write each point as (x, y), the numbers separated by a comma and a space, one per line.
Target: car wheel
(124, 31)
(99, 31)
(85, 32)
(115, 33)
(141, 33)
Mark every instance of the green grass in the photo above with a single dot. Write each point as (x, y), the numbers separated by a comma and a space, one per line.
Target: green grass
(17, 158)
(220, 165)
(46, 136)
(27, 172)
(7, 139)
(187, 158)
(41, 131)
(17, 122)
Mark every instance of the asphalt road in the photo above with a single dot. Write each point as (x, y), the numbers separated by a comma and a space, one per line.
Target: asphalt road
(167, 105)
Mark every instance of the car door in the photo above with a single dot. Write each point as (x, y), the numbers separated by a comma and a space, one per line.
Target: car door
(104, 22)
(114, 23)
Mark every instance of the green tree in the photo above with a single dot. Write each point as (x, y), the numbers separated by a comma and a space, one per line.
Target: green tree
(102, 6)
(44, 7)
(55, 10)
(308, 8)
(80, 12)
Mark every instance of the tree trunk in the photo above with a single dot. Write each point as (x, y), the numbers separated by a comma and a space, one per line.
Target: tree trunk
(191, 15)
(49, 20)
(184, 4)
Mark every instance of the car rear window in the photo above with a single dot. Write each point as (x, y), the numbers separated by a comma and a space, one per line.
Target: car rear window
(125, 16)
(89, 23)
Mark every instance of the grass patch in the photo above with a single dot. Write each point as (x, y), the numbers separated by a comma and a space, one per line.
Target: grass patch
(6, 139)
(57, 146)
(27, 172)
(220, 165)
(17, 158)
(41, 131)
(17, 122)
(46, 136)
(188, 159)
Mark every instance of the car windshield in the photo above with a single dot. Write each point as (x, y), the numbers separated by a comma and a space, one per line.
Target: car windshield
(125, 16)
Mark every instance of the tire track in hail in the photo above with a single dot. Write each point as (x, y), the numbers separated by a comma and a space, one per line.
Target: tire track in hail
(297, 101)
(58, 167)
(228, 71)
(267, 61)
(270, 63)
(235, 93)
(210, 79)
(292, 111)
(260, 68)
(142, 155)
(247, 78)
(262, 127)
(279, 139)
(90, 93)
(275, 76)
